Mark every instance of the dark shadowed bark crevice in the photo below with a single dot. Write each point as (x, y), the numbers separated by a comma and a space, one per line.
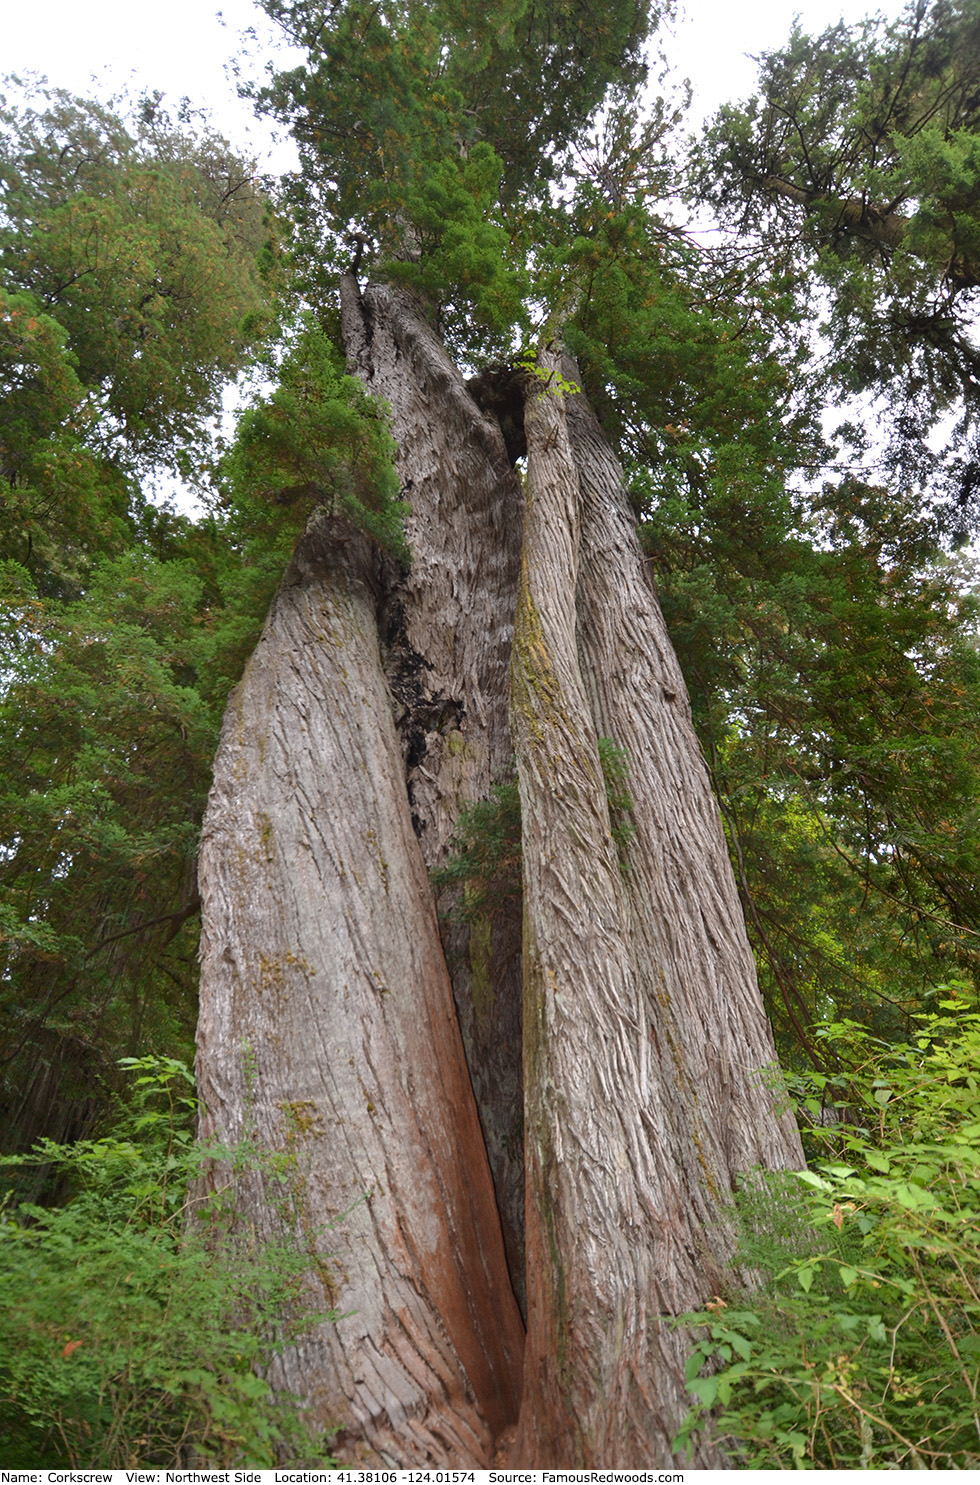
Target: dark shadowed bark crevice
(447, 629)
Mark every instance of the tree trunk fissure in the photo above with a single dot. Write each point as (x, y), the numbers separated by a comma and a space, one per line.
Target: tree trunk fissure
(448, 628)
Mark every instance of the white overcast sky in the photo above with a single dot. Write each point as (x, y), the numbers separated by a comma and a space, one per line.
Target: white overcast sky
(182, 47)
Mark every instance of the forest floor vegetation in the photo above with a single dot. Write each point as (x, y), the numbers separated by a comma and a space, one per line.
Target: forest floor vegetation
(139, 1316)
(862, 1348)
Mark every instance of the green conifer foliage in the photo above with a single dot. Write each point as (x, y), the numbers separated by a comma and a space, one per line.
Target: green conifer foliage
(856, 169)
(430, 135)
(134, 282)
(146, 247)
(832, 659)
(317, 441)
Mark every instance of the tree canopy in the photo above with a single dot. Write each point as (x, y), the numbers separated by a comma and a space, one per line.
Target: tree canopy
(855, 168)
(135, 265)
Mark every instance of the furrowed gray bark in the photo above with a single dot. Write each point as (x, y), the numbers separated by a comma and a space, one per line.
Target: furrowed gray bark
(328, 1031)
(687, 930)
(647, 1056)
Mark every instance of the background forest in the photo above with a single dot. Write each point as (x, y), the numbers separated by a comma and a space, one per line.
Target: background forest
(794, 400)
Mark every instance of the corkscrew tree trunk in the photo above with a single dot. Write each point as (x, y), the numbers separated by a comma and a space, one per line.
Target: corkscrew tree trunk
(343, 1022)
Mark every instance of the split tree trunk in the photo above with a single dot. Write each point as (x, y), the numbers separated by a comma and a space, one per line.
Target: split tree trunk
(372, 710)
(446, 632)
(328, 1031)
(375, 708)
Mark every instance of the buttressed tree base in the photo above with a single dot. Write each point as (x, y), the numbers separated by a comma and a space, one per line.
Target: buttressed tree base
(381, 702)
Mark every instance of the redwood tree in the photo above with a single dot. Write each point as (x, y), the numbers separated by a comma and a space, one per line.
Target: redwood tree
(473, 215)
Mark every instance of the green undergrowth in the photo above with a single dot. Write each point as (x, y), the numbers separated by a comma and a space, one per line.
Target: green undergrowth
(862, 1348)
(138, 1321)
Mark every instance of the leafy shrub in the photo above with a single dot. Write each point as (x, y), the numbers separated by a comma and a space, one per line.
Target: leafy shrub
(130, 1335)
(863, 1351)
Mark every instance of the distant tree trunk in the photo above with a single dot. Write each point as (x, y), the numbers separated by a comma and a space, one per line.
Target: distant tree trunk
(375, 708)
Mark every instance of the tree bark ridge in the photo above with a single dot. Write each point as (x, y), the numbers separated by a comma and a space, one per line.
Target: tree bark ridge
(642, 1018)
